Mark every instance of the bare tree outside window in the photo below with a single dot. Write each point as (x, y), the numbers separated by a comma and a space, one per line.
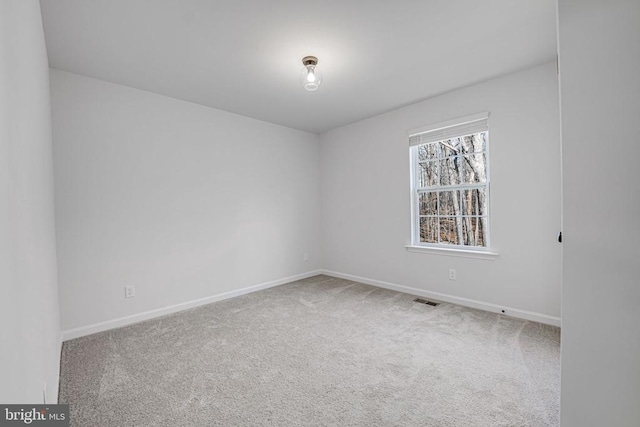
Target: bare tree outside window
(451, 191)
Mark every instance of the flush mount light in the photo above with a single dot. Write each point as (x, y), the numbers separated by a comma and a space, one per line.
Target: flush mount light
(310, 78)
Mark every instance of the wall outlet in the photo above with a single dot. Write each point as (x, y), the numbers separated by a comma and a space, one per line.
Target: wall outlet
(129, 291)
(452, 274)
(306, 257)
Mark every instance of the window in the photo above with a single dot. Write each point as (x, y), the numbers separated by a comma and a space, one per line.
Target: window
(450, 184)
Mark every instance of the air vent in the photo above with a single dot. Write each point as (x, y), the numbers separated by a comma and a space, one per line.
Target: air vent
(424, 301)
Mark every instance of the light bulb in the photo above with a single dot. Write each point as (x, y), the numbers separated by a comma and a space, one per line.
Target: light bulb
(310, 78)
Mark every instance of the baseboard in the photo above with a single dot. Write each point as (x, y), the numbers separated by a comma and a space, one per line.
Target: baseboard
(147, 315)
(135, 318)
(55, 388)
(514, 312)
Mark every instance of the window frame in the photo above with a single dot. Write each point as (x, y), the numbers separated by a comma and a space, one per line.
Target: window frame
(462, 250)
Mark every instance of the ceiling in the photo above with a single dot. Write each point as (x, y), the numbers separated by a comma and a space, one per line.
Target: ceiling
(244, 56)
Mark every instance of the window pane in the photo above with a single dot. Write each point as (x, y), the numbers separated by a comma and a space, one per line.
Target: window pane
(474, 202)
(450, 147)
(450, 171)
(474, 169)
(475, 143)
(429, 230)
(473, 231)
(429, 203)
(427, 152)
(428, 174)
(449, 231)
(450, 202)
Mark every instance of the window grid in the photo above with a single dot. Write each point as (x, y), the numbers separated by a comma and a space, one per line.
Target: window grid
(434, 157)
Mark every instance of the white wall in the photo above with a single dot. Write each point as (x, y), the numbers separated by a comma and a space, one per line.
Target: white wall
(30, 331)
(180, 200)
(366, 197)
(600, 93)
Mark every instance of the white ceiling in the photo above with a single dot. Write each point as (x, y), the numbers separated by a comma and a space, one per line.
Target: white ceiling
(244, 56)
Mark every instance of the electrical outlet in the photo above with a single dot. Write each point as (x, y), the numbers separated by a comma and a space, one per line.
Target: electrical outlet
(452, 274)
(306, 257)
(129, 291)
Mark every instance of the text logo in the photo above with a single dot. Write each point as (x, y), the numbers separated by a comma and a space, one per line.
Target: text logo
(34, 415)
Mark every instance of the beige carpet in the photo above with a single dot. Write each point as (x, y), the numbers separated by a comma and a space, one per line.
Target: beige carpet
(320, 351)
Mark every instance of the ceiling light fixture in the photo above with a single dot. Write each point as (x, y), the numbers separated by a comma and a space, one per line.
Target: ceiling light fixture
(311, 78)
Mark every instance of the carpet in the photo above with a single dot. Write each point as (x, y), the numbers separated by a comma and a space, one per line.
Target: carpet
(319, 351)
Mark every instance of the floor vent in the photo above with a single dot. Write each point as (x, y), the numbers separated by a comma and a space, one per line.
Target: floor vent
(424, 301)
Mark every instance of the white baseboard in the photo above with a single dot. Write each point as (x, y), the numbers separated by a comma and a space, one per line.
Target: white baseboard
(514, 312)
(139, 317)
(51, 389)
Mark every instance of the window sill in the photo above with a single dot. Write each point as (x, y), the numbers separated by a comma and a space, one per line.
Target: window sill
(463, 253)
